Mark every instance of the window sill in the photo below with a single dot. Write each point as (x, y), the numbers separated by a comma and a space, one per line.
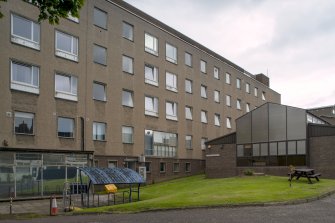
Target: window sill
(152, 52)
(25, 88)
(98, 140)
(66, 55)
(65, 137)
(129, 73)
(98, 100)
(102, 64)
(22, 42)
(66, 96)
(151, 114)
(128, 143)
(171, 60)
(24, 134)
(150, 82)
(172, 118)
(171, 89)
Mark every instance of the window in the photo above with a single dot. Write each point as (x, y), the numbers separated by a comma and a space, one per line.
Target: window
(188, 86)
(151, 106)
(238, 104)
(263, 96)
(188, 59)
(188, 142)
(171, 110)
(66, 87)
(127, 98)
(24, 77)
(238, 83)
(148, 167)
(203, 66)
(228, 122)
(151, 74)
(171, 82)
(175, 167)
(227, 78)
(65, 127)
(228, 100)
(128, 31)
(217, 96)
(99, 91)
(66, 46)
(203, 145)
(100, 18)
(99, 131)
(171, 53)
(127, 134)
(247, 88)
(204, 116)
(162, 167)
(100, 54)
(25, 32)
(160, 144)
(151, 44)
(187, 167)
(24, 123)
(128, 64)
(216, 73)
(217, 120)
(203, 91)
(112, 163)
(188, 113)
(247, 107)
(256, 92)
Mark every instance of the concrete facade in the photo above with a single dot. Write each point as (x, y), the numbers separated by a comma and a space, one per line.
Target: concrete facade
(47, 106)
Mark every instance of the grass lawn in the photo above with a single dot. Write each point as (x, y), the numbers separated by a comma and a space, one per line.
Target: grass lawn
(197, 191)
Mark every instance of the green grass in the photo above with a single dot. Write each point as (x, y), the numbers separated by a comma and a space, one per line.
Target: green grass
(197, 191)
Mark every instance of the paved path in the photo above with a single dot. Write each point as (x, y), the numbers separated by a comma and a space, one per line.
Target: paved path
(317, 211)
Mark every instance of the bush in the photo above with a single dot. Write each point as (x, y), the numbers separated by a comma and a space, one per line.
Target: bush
(248, 172)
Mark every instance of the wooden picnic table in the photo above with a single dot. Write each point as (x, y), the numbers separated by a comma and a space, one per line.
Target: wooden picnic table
(305, 172)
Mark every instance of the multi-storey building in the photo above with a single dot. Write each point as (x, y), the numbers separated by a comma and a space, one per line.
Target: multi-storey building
(115, 87)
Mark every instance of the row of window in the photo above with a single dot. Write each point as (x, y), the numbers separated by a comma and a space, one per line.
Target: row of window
(24, 124)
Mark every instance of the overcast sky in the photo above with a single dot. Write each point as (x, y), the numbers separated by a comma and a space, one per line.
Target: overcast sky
(293, 41)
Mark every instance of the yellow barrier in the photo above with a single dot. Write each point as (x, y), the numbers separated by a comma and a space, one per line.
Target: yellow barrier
(110, 188)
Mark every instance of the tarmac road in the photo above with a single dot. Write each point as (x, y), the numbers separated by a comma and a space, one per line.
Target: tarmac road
(317, 211)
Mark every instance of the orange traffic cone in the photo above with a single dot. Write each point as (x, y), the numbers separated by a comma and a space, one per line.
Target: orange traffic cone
(54, 208)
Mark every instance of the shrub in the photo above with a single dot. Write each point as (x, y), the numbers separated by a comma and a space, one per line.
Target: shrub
(248, 172)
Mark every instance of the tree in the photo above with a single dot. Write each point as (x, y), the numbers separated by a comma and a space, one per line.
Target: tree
(53, 10)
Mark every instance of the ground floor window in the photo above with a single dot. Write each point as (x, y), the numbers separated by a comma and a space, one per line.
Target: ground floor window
(161, 144)
(283, 153)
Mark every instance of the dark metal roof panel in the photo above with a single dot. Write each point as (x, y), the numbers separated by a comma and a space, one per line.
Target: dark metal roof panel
(103, 176)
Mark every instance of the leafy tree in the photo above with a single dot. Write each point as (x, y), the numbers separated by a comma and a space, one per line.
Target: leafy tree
(53, 10)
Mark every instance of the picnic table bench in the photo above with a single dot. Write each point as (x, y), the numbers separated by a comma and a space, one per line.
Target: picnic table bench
(305, 172)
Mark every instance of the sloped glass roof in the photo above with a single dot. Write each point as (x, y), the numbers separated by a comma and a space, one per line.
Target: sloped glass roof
(102, 176)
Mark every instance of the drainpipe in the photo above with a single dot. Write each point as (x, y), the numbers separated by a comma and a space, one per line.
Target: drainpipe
(82, 130)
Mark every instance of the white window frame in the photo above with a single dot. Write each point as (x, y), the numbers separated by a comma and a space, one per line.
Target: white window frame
(154, 104)
(216, 73)
(217, 120)
(202, 143)
(247, 88)
(256, 92)
(228, 123)
(26, 115)
(188, 86)
(105, 96)
(70, 55)
(188, 113)
(126, 25)
(171, 58)
(125, 130)
(68, 95)
(263, 95)
(203, 66)
(228, 78)
(130, 94)
(15, 38)
(238, 83)
(72, 127)
(204, 116)
(238, 104)
(97, 126)
(228, 100)
(217, 96)
(152, 49)
(171, 86)
(154, 74)
(247, 107)
(24, 86)
(171, 114)
(203, 91)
